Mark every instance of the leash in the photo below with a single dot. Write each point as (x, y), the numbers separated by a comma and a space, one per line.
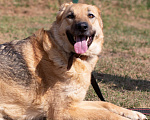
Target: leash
(96, 88)
(145, 111)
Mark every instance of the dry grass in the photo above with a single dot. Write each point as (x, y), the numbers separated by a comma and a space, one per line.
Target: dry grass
(123, 70)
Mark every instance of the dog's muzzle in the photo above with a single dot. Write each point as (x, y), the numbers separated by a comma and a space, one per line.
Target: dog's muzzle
(80, 37)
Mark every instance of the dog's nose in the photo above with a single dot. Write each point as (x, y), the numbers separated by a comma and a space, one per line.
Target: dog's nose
(82, 26)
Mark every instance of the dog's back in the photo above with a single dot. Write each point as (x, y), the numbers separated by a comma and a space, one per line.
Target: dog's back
(12, 63)
(17, 90)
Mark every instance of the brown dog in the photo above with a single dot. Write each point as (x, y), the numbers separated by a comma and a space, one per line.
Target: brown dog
(48, 74)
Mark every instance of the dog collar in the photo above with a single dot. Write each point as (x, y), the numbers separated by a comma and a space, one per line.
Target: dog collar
(70, 61)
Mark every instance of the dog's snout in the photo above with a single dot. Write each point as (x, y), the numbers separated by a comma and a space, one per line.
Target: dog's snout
(82, 26)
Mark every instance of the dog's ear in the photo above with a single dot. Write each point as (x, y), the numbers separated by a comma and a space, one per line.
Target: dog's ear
(61, 10)
(99, 12)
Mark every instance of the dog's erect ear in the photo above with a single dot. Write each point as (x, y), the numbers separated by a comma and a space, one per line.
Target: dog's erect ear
(100, 18)
(99, 12)
(61, 10)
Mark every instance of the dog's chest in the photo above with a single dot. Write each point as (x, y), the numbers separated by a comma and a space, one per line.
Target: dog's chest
(69, 86)
(76, 84)
(76, 89)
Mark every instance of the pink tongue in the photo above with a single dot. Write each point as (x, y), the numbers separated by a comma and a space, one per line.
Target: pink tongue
(80, 46)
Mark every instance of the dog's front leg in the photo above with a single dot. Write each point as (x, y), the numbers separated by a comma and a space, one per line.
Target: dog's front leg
(99, 110)
(90, 110)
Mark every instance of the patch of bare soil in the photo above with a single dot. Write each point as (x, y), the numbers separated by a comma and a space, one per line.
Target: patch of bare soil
(29, 8)
(140, 24)
(12, 11)
(143, 50)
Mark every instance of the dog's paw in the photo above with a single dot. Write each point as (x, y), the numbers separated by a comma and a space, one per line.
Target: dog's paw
(138, 116)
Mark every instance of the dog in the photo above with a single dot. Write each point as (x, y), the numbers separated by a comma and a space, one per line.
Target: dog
(48, 73)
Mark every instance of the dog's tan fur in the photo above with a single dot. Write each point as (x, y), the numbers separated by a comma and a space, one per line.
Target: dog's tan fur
(47, 88)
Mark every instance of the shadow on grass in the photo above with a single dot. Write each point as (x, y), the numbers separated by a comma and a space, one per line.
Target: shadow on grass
(119, 82)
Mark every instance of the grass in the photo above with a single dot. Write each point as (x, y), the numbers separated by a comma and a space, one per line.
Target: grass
(123, 70)
(22, 26)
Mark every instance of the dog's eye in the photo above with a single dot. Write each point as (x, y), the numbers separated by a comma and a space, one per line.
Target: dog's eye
(71, 16)
(91, 15)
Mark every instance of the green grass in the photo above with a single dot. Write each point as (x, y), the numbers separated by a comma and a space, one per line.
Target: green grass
(19, 27)
(123, 70)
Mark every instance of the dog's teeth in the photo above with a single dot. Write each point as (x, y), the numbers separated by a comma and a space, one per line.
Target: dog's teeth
(88, 39)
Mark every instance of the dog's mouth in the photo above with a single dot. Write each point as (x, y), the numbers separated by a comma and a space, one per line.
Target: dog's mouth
(81, 43)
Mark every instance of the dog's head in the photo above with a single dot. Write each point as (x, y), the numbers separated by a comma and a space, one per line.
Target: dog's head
(79, 28)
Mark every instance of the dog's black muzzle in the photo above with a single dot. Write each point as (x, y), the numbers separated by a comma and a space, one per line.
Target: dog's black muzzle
(81, 26)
